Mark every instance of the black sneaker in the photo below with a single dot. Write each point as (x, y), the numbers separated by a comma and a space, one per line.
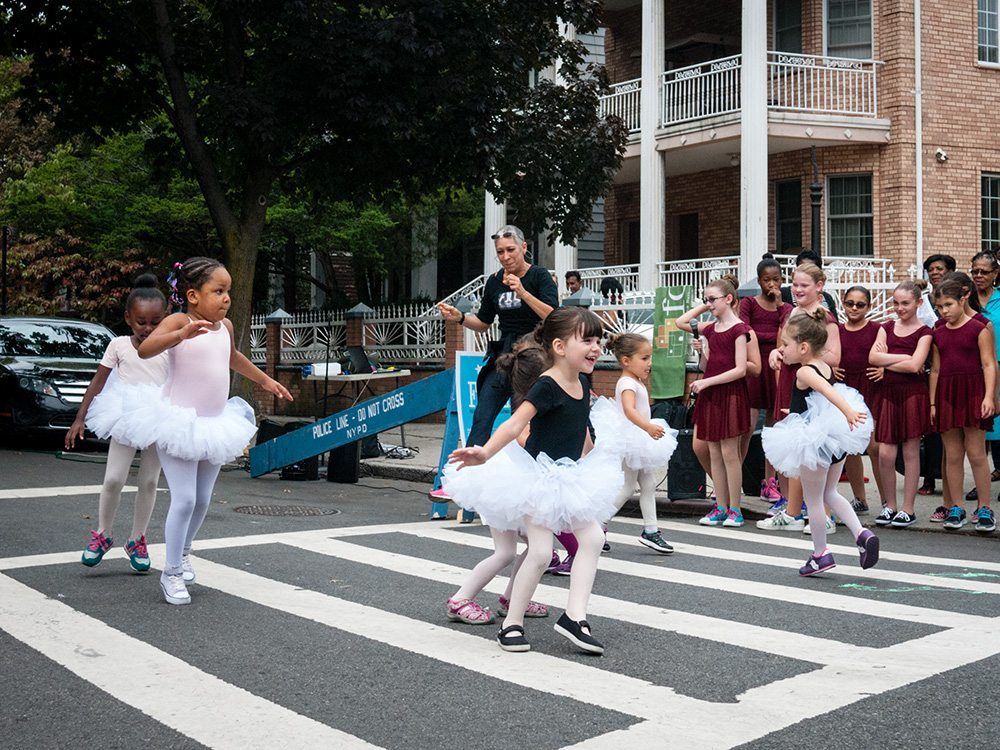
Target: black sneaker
(885, 517)
(653, 540)
(512, 639)
(985, 520)
(956, 518)
(859, 505)
(582, 639)
(902, 519)
(972, 496)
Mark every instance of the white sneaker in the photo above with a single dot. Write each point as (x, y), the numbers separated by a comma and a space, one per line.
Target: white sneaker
(174, 590)
(781, 521)
(831, 527)
(188, 568)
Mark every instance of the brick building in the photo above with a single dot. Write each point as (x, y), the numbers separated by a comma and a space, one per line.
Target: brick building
(724, 100)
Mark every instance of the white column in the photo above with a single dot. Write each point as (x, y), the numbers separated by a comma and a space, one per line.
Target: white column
(565, 260)
(495, 216)
(652, 177)
(753, 138)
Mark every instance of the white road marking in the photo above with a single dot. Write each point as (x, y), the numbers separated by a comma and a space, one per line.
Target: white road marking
(85, 489)
(785, 594)
(102, 655)
(754, 637)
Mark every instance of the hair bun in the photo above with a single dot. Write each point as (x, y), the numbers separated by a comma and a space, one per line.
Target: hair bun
(731, 279)
(819, 314)
(767, 256)
(920, 284)
(145, 281)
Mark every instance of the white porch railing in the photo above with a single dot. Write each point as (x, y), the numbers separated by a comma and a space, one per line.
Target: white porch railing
(626, 275)
(623, 103)
(796, 83)
(404, 333)
(303, 339)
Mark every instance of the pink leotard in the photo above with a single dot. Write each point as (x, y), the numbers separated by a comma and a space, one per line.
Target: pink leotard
(199, 372)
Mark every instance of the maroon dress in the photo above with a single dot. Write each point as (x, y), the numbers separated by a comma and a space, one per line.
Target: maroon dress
(905, 411)
(855, 347)
(765, 323)
(722, 411)
(786, 377)
(961, 385)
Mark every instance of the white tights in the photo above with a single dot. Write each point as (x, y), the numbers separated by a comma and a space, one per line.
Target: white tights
(505, 553)
(115, 475)
(536, 559)
(647, 496)
(191, 484)
(819, 487)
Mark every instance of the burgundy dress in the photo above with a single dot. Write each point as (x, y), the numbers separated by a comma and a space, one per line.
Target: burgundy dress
(786, 377)
(905, 411)
(722, 411)
(961, 385)
(765, 323)
(854, 349)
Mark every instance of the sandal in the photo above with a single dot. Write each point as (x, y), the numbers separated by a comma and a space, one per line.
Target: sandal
(535, 609)
(512, 639)
(467, 611)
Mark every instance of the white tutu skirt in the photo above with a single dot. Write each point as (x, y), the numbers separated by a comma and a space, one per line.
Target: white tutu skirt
(639, 451)
(109, 405)
(814, 438)
(559, 495)
(149, 417)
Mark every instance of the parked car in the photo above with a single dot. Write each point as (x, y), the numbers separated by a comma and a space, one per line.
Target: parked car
(46, 365)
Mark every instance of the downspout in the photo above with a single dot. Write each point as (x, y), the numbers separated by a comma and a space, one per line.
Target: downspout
(918, 114)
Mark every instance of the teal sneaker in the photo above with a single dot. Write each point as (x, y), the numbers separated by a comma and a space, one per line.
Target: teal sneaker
(98, 545)
(715, 517)
(955, 518)
(734, 517)
(985, 520)
(138, 555)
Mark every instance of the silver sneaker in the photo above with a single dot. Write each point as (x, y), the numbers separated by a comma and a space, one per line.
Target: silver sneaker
(187, 568)
(174, 590)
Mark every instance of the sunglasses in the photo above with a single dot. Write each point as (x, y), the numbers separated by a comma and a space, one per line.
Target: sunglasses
(850, 304)
(711, 300)
(503, 235)
(981, 272)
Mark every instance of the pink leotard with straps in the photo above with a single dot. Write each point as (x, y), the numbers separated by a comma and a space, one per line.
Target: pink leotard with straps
(199, 372)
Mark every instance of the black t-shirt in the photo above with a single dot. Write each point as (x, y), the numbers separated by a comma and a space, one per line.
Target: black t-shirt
(828, 301)
(559, 429)
(516, 317)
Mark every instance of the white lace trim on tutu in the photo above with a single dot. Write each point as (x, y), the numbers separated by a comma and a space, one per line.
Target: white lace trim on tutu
(638, 449)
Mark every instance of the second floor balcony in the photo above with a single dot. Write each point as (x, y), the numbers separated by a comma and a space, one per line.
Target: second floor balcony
(710, 91)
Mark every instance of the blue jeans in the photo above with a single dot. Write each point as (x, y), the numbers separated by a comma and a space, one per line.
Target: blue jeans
(492, 393)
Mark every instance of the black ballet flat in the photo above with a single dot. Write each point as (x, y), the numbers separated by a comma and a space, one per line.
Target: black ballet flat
(575, 632)
(512, 639)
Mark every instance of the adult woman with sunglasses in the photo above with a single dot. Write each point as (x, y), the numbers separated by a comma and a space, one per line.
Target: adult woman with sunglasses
(984, 275)
(519, 296)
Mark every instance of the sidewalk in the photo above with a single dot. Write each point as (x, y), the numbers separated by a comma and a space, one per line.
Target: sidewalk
(424, 441)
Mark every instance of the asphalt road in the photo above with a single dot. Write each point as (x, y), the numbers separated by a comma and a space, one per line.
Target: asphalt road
(329, 630)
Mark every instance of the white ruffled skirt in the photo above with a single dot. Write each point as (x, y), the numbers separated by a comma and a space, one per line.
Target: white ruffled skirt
(108, 406)
(812, 440)
(639, 451)
(559, 495)
(148, 417)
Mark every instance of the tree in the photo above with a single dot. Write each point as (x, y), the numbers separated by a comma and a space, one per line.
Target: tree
(343, 100)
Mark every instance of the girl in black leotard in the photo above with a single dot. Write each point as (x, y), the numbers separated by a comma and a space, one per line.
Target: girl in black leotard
(825, 423)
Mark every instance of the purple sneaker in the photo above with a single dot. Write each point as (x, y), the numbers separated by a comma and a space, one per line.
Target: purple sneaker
(868, 549)
(553, 563)
(563, 568)
(819, 564)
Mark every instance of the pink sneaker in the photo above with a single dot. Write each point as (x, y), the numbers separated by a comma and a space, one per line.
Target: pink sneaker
(439, 495)
(769, 489)
(467, 611)
(535, 609)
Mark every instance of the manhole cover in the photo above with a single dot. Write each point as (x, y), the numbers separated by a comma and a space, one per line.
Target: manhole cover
(285, 510)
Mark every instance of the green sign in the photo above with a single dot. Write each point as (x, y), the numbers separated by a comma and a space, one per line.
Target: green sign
(670, 344)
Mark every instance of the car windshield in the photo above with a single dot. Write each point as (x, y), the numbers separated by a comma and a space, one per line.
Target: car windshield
(37, 338)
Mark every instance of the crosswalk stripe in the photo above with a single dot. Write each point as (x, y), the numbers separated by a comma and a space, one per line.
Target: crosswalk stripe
(785, 594)
(796, 540)
(87, 489)
(715, 629)
(896, 576)
(538, 671)
(105, 657)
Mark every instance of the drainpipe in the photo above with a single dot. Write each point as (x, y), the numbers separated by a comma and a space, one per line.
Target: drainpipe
(919, 128)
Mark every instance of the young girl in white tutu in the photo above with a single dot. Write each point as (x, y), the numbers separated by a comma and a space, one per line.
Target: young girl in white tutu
(195, 428)
(550, 485)
(825, 423)
(119, 372)
(649, 443)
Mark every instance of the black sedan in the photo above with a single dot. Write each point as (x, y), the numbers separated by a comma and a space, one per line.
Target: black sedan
(46, 365)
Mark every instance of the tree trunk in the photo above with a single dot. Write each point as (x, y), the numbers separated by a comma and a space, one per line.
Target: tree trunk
(240, 257)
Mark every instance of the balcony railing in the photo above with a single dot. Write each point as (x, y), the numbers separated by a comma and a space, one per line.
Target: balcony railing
(795, 83)
(623, 103)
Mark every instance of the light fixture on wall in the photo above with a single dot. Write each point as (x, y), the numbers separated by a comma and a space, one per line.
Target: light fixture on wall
(734, 160)
(941, 155)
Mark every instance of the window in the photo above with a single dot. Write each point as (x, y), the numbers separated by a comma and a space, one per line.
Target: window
(989, 31)
(788, 25)
(849, 28)
(788, 215)
(991, 212)
(849, 215)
